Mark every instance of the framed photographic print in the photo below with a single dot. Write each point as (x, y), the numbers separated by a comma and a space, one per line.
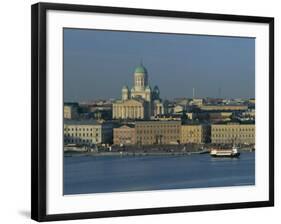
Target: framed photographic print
(139, 111)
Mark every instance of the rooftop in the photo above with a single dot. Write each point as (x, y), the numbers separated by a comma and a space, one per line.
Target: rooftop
(140, 69)
(82, 122)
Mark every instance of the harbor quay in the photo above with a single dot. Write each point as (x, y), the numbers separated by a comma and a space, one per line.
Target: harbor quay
(150, 150)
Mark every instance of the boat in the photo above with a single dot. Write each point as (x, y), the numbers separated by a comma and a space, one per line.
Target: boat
(231, 152)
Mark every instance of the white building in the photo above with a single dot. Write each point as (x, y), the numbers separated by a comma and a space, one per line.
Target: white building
(70, 111)
(141, 102)
(87, 132)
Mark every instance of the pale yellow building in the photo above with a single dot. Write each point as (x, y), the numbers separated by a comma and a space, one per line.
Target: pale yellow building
(224, 107)
(124, 135)
(157, 132)
(130, 109)
(220, 116)
(87, 132)
(141, 102)
(70, 112)
(178, 109)
(197, 101)
(195, 133)
(233, 133)
(253, 101)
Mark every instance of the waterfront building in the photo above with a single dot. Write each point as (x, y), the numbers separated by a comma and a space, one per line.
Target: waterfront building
(252, 101)
(87, 132)
(250, 113)
(70, 111)
(220, 116)
(172, 117)
(124, 135)
(197, 102)
(191, 115)
(141, 102)
(195, 133)
(157, 132)
(224, 107)
(233, 133)
(178, 109)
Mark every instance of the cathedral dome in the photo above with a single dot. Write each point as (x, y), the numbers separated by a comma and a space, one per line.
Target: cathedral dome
(140, 69)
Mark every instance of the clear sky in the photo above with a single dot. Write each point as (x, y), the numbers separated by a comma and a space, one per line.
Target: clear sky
(98, 63)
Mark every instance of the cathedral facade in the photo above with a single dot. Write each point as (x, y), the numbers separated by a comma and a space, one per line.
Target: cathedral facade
(139, 102)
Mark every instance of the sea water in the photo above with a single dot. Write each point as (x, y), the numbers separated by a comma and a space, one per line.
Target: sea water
(100, 174)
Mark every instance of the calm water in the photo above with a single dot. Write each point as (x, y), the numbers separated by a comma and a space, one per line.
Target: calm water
(86, 174)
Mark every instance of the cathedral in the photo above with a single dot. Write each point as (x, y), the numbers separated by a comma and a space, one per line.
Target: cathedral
(141, 102)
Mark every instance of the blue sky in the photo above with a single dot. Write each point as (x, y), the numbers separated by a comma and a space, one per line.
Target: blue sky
(98, 63)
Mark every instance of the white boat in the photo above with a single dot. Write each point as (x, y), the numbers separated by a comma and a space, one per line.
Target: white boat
(231, 152)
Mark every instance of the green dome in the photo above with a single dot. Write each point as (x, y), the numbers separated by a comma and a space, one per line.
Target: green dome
(140, 69)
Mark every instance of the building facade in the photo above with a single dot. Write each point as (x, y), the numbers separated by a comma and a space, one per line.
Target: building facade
(70, 111)
(233, 133)
(157, 132)
(224, 107)
(87, 132)
(195, 133)
(140, 102)
(197, 102)
(124, 135)
(131, 109)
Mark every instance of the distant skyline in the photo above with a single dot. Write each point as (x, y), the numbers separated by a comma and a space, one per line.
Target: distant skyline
(97, 64)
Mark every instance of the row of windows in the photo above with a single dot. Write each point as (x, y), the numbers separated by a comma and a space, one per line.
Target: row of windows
(233, 129)
(156, 138)
(81, 129)
(233, 136)
(120, 117)
(124, 139)
(123, 132)
(166, 126)
(192, 135)
(197, 130)
(220, 141)
(79, 140)
(159, 131)
(81, 134)
(123, 136)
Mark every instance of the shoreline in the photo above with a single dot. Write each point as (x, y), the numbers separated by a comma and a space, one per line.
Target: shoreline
(70, 153)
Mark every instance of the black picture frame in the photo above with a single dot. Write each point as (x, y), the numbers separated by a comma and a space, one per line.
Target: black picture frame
(39, 123)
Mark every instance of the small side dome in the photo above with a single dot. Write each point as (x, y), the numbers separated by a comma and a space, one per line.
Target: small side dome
(156, 90)
(147, 89)
(125, 88)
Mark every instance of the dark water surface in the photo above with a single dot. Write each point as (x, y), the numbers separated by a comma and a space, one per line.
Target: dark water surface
(89, 174)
